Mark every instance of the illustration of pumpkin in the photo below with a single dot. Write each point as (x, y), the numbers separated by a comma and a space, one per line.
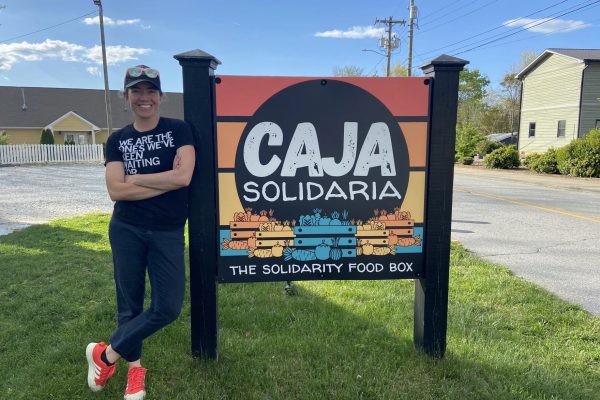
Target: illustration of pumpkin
(277, 250)
(367, 248)
(322, 251)
(263, 216)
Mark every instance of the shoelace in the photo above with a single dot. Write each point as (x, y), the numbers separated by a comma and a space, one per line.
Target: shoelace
(135, 379)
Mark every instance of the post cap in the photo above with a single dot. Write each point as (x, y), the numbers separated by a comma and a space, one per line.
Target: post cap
(197, 55)
(444, 62)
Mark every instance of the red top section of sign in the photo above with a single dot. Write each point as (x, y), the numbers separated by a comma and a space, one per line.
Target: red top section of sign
(239, 96)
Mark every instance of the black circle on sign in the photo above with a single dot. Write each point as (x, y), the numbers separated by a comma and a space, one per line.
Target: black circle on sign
(327, 108)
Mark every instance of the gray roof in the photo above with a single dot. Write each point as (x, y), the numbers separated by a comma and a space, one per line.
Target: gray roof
(580, 54)
(46, 105)
(584, 55)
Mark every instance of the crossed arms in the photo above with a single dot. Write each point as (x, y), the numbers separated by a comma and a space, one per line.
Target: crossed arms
(145, 186)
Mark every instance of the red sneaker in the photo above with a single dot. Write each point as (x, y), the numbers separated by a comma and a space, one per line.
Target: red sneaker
(98, 371)
(135, 389)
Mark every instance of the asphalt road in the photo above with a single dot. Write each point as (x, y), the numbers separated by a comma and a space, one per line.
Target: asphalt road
(546, 229)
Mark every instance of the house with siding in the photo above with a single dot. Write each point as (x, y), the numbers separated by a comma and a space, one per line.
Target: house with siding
(77, 115)
(560, 98)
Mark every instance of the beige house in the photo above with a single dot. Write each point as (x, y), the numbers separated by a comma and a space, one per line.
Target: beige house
(77, 115)
(560, 98)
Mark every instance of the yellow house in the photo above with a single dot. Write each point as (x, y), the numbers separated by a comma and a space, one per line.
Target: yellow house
(560, 98)
(77, 115)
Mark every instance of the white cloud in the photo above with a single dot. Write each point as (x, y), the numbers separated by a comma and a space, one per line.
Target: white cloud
(356, 32)
(95, 71)
(13, 53)
(114, 54)
(113, 22)
(553, 26)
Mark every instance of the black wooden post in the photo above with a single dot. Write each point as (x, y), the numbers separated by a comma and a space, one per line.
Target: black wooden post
(431, 291)
(200, 112)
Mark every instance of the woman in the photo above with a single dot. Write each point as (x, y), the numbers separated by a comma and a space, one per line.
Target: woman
(149, 165)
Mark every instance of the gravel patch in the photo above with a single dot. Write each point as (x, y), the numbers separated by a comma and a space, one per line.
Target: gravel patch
(40, 193)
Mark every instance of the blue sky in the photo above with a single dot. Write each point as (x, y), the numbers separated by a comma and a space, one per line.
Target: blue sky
(268, 37)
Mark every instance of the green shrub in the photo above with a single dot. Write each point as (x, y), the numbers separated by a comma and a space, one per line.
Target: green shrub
(544, 163)
(504, 157)
(466, 160)
(467, 139)
(531, 159)
(4, 138)
(581, 157)
(47, 137)
(487, 146)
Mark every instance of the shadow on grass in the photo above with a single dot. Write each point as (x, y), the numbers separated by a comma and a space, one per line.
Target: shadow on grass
(334, 340)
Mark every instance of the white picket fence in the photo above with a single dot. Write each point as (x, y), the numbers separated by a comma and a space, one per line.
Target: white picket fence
(49, 153)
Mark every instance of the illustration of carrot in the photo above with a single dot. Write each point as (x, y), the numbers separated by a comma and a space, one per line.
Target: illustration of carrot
(299, 254)
(260, 253)
(234, 244)
(384, 251)
(404, 242)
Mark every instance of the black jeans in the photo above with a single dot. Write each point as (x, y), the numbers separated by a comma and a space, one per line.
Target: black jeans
(134, 250)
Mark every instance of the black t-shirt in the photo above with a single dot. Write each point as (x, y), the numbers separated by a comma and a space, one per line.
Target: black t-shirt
(147, 153)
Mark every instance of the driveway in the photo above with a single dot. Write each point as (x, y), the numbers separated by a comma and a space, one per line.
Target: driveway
(37, 194)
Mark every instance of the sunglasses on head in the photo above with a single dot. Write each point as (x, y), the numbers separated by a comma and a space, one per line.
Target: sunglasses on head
(136, 72)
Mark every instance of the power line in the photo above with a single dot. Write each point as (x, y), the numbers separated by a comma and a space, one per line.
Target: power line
(489, 30)
(442, 9)
(445, 15)
(47, 28)
(529, 27)
(376, 65)
(464, 15)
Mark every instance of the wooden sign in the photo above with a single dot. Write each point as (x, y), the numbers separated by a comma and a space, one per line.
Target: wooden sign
(321, 178)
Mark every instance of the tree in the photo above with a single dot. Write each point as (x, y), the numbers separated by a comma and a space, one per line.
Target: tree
(47, 137)
(472, 85)
(512, 88)
(348, 70)
(472, 89)
(467, 139)
(399, 70)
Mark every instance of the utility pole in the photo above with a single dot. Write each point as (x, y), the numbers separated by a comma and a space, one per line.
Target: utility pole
(391, 42)
(105, 69)
(412, 13)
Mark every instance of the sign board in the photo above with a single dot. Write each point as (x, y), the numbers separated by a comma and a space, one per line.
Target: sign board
(321, 178)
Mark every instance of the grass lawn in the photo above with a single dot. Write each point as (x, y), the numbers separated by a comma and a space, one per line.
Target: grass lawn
(507, 339)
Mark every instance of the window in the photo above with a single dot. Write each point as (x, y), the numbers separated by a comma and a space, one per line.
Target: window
(75, 138)
(560, 130)
(597, 126)
(531, 129)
